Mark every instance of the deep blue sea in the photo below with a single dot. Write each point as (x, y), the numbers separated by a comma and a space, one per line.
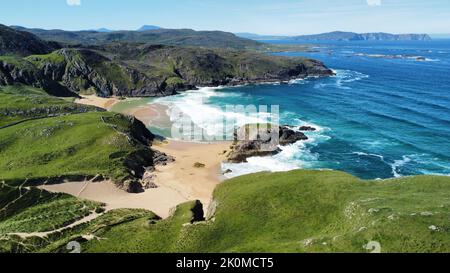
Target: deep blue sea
(385, 114)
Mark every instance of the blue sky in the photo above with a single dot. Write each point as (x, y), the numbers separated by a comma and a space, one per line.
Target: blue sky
(257, 16)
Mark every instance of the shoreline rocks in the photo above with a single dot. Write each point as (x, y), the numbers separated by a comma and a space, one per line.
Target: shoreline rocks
(307, 129)
(262, 142)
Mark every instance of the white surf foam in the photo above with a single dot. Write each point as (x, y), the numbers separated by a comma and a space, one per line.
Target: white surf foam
(398, 164)
(342, 79)
(211, 119)
(195, 105)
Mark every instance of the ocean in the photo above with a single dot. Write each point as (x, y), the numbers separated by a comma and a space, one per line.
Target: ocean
(385, 114)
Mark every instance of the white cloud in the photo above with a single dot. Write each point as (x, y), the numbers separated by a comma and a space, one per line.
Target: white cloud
(74, 2)
(374, 3)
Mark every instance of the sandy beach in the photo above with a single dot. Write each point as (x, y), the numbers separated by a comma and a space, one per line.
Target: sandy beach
(105, 103)
(192, 182)
(193, 176)
(177, 182)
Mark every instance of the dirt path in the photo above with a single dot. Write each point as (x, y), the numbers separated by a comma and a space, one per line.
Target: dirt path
(86, 219)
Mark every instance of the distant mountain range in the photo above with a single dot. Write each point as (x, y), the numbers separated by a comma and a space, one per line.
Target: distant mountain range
(143, 28)
(148, 27)
(146, 34)
(351, 36)
(102, 30)
(254, 36)
(342, 36)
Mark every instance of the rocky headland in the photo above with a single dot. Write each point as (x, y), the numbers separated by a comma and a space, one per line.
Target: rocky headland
(131, 69)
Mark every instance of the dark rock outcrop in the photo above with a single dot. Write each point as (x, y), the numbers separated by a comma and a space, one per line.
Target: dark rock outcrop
(262, 142)
(307, 129)
(288, 136)
(198, 214)
(162, 159)
(132, 186)
(245, 149)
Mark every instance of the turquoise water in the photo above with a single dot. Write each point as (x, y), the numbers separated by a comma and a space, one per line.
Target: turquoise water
(385, 114)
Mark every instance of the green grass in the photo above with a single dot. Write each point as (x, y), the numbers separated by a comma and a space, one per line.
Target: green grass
(174, 81)
(295, 212)
(142, 235)
(302, 211)
(24, 102)
(52, 141)
(80, 144)
(18, 62)
(34, 210)
(49, 139)
(51, 58)
(114, 73)
(99, 226)
(48, 216)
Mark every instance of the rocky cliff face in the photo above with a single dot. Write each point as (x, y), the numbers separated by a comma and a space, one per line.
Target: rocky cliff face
(17, 71)
(79, 71)
(188, 67)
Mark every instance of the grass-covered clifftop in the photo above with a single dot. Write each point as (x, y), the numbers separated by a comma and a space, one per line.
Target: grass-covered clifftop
(45, 138)
(298, 211)
(306, 211)
(20, 103)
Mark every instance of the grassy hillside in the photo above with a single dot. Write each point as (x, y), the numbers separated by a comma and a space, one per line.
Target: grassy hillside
(305, 211)
(19, 103)
(33, 210)
(74, 145)
(189, 37)
(15, 42)
(298, 211)
(44, 138)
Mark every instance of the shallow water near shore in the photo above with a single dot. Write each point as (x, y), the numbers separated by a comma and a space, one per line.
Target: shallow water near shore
(385, 114)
